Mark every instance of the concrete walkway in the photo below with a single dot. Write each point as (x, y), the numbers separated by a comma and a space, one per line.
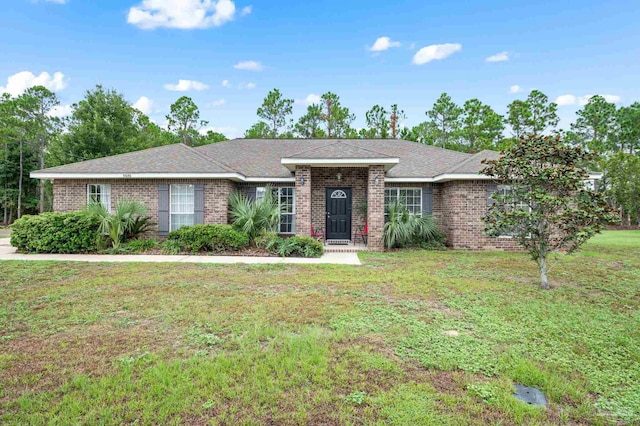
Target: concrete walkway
(9, 253)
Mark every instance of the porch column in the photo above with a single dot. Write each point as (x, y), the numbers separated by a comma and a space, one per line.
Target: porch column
(375, 207)
(303, 200)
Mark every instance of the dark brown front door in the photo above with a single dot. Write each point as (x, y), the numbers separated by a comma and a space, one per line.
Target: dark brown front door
(338, 213)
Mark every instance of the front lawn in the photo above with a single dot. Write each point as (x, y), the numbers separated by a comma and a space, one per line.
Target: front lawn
(319, 344)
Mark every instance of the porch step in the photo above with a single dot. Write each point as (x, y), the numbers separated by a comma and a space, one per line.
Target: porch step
(349, 248)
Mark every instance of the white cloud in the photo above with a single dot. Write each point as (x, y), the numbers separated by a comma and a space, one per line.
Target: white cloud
(217, 103)
(515, 89)
(435, 52)
(181, 14)
(498, 57)
(311, 98)
(246, 10)
(383, 43)
(19, 82)
(225, 83)
(249, 66)
(248, 86)
(60, 111)
(565, 100)
(186, 86)
(144, 105)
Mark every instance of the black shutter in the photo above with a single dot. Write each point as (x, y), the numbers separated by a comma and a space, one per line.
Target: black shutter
(251, 193)
(198, 204)
(427, 200)
(163, 209)
(491, 188)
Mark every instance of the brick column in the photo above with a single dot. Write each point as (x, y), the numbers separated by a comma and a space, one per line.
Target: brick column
(303, 200)
(375, 207)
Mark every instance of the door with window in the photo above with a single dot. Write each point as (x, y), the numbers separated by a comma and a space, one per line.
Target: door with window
(338, 214)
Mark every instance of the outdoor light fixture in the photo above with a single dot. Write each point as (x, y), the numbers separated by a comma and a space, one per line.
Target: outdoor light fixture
(302, 180)
(375, 180)
(339, 176)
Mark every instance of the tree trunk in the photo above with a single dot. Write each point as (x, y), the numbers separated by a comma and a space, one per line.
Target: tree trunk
(544, 282)
(41, 184)
(20, 181)
(6, 185)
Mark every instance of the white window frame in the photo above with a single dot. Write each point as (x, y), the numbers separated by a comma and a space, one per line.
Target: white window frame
(501, 190)
(261, 190)
(396, 197)
(103, 195)
(173, 187)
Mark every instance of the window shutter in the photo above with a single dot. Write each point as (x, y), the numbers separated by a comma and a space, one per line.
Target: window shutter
(163, 209)
(427, 200)
(491, 188)
(251, 193)
(198, 204)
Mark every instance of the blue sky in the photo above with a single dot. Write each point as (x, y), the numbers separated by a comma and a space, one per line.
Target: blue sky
(568, 49)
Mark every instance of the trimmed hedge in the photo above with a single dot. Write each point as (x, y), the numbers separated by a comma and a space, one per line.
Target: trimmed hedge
(214, 238)
(292, 246)
(75, 232)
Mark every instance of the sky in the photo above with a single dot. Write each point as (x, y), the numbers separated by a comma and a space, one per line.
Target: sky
(226, 55)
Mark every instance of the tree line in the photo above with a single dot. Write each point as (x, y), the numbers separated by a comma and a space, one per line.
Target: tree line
(104, 123)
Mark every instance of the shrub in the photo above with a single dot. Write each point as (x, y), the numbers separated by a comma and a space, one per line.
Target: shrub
(75, 232)
(216, 238)
(252, 216)
(171, 247)
(118, 226)
(403, 229)
(139, 246)
(293, 246)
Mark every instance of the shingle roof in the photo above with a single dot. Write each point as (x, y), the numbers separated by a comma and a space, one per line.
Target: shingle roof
(176, 158)
(339, 149)
(261, 158)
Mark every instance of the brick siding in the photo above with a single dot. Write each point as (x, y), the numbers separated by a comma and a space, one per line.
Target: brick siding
(71, 194)
(375, 209)
(458, 208)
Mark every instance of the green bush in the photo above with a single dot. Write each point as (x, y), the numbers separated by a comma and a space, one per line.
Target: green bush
(75, 232)
(139, 246)
(171, 247)
(403, 229)
(291, 247)
(255, 217)
(215, 238)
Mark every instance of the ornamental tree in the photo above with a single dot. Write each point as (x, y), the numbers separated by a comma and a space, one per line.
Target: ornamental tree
(545, 203)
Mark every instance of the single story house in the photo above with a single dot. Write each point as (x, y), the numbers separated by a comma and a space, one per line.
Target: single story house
(335, 186)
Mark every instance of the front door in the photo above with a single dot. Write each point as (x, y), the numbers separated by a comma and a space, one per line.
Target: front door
(338, 213)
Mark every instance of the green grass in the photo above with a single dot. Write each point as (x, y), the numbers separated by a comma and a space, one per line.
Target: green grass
(323, 344)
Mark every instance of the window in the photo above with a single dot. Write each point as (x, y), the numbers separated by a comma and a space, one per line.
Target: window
(285, 197)
(181, 206)
(410, 197)
(99, 193)
(502, 192)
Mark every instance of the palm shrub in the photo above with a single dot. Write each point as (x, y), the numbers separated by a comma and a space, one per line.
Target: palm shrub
(115, 227)
(403, 229)
(254, 217)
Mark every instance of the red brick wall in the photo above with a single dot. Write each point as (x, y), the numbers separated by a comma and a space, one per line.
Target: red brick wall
(327, 177)
(71, 194)
(458, 207)
(303, 200)
(375, 209)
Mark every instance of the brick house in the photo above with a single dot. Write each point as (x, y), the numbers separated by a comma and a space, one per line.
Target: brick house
(335, 186)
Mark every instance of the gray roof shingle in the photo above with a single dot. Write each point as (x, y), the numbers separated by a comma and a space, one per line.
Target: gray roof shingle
(176, 158)
(255, 158)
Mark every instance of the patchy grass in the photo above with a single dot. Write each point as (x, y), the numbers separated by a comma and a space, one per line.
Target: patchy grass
(321, 344)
